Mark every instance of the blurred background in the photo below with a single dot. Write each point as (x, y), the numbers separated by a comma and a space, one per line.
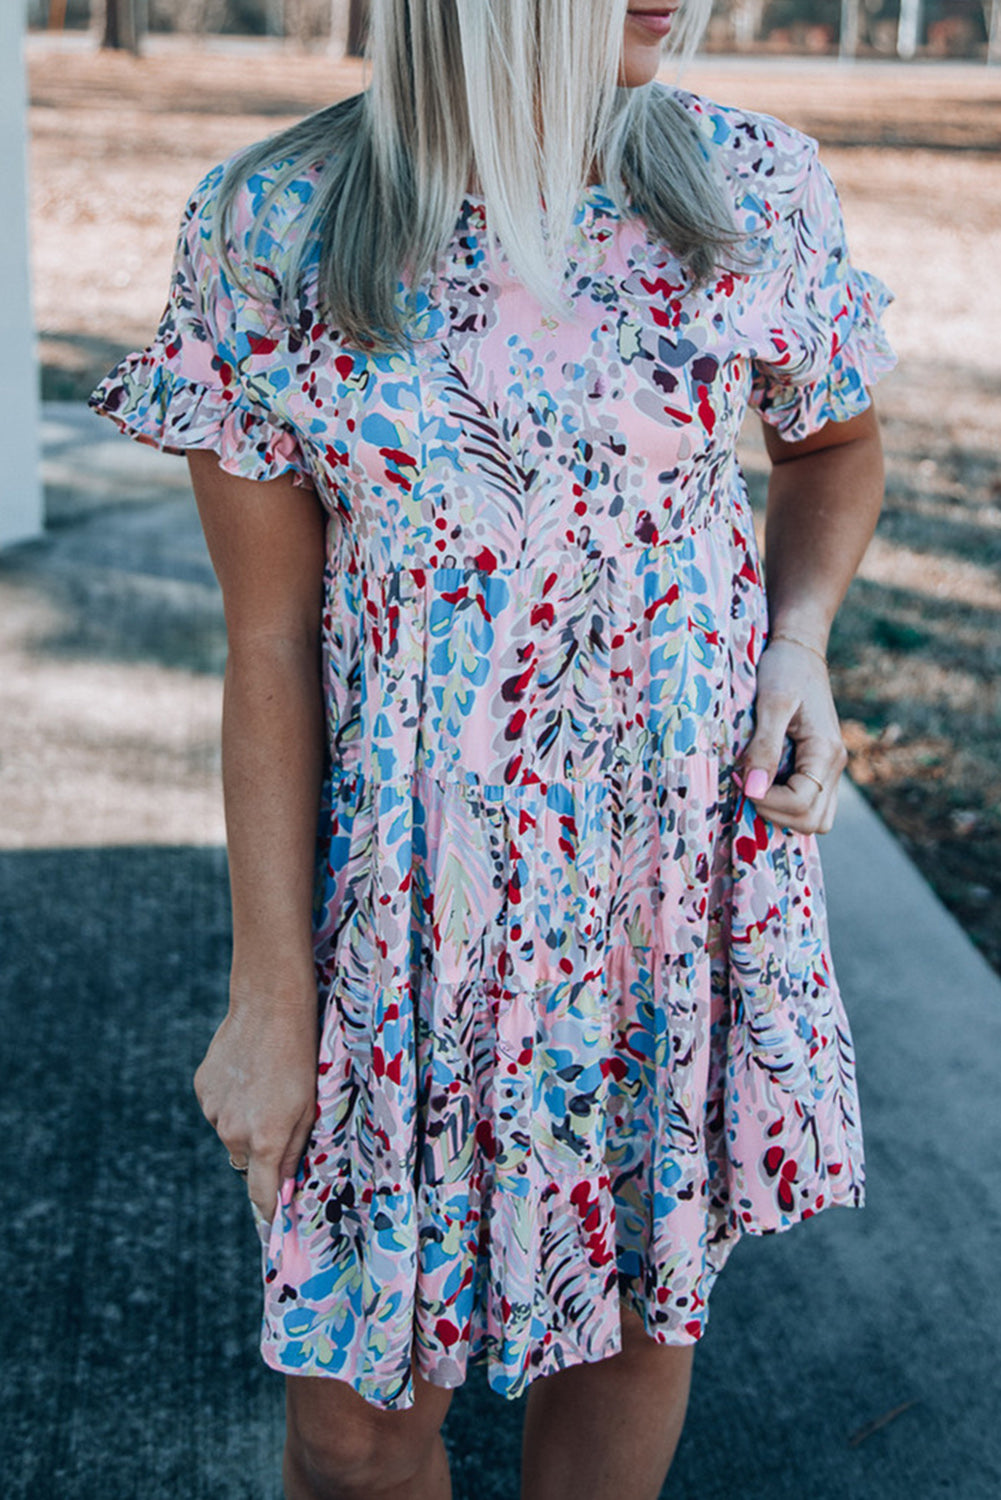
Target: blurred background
(133, 1367)
(936, 28)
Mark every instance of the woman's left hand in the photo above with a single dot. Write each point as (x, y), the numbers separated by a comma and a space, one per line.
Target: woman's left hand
(824, 495)
(794, 698)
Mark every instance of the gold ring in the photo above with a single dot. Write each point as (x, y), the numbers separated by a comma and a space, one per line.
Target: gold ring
(237, 1167)
(810, 777)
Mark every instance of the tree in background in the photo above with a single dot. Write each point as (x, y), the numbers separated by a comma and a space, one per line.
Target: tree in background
(120, 24)
(746, 17)
(956, 28)
(848, 32)
(909, 28)
(959, 28)
(992, 20)
(357, 27)
(198, 16)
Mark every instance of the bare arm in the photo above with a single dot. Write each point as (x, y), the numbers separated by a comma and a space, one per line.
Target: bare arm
(824, 499)
(257, 1081)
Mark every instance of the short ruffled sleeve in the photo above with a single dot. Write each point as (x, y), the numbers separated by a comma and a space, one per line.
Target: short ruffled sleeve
(184, 390)
(817, 337)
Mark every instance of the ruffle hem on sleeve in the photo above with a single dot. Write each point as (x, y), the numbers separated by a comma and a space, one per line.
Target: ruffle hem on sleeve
(156, 406)
(833, 387)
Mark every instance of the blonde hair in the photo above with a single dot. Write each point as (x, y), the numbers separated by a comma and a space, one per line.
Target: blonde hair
(518, 96)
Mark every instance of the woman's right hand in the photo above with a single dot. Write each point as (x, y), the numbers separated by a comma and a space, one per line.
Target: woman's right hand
(257, 1084)
(257, 1088)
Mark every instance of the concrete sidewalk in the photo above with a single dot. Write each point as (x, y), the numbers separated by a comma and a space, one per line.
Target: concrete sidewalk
(131, 1306)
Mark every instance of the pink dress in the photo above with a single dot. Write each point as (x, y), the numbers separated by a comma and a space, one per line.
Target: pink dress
(580, 1028)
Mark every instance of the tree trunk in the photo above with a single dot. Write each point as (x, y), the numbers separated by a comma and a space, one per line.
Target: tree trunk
(338, 28)
(357, 27)
(120, 27)
(994, 32)
(747, 17)
(848, 43)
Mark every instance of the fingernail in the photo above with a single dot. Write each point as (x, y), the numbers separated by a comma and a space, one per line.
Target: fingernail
(757, 783)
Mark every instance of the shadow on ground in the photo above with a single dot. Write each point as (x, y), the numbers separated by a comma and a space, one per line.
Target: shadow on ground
(71, 364)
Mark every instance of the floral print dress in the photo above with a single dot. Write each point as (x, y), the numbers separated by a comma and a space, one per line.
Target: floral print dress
(580, 1029)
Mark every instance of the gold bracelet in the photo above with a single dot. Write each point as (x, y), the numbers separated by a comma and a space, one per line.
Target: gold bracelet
(794, 640)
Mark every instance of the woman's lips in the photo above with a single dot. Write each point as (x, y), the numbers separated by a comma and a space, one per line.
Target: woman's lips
(657, 22)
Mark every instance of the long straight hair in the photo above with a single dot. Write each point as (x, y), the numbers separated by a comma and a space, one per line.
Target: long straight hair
(515, 102)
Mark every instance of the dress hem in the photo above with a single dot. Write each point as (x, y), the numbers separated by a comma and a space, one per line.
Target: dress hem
(676, 1338)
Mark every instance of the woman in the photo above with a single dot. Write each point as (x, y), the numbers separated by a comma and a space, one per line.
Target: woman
(459, 366)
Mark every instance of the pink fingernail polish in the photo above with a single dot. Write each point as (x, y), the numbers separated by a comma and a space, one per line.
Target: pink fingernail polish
(757, 783)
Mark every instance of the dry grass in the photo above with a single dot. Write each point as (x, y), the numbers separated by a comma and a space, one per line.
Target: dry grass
(117, 145)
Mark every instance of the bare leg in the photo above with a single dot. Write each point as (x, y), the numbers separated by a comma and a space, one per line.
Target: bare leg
(339, 1447)
(605, 1430)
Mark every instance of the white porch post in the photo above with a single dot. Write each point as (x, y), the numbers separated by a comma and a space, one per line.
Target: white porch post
(20, 482)
(909, 28)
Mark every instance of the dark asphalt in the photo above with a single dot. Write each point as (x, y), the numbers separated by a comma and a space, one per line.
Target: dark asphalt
(130, 1264)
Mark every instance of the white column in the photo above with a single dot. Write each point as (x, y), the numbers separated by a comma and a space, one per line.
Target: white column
(20, 483)
(909, 28)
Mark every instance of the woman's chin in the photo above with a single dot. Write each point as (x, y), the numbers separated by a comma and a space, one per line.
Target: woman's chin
(636, 71)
